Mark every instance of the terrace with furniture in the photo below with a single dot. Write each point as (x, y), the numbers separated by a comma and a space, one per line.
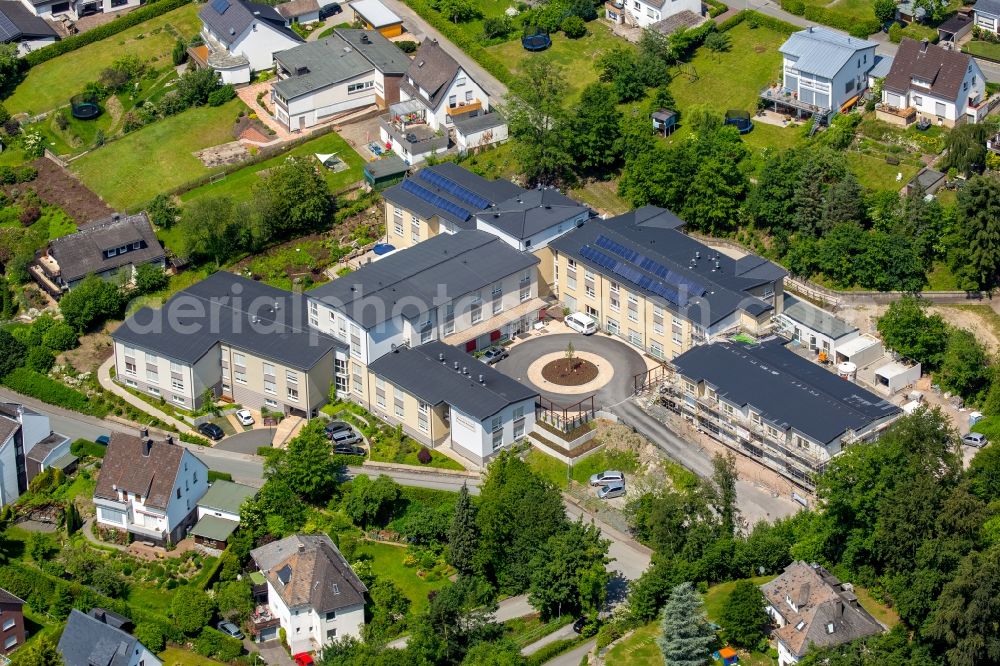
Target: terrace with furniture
(405, 130)
(783, 97)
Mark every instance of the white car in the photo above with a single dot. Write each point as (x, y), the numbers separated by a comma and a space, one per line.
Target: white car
(244, 417)
(581, 323)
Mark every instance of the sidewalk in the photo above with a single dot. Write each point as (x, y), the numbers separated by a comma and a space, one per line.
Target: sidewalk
(557, 635)
(104, 377)
(248, 94)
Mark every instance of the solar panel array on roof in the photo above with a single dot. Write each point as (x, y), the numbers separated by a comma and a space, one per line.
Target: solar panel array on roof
(675, 282)
(625, 253)
(598, 257)
(8, 30)
(435, 200)
(220, 6)
(454, 189)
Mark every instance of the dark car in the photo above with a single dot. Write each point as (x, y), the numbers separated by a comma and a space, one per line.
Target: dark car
(494, 355)
(103, 440)
(579, 625)
(334, 427)
(331, 9)
(230, 629)
(211, 431)
(348, 450)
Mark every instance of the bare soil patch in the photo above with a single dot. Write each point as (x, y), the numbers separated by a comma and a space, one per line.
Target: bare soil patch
(569, 372)
(58, 187)
(94, 349)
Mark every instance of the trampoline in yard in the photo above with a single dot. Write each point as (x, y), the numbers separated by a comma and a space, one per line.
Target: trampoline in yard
(740, 120)
(85, 106)
(539, 41)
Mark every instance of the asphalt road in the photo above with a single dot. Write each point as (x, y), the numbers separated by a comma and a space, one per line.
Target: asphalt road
(573, 657)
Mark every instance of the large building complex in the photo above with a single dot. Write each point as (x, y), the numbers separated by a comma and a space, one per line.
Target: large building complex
(774, 406)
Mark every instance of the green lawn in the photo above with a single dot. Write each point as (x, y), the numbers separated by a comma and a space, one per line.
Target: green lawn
(622, 461)
(150, 598)
(985, 49)
(238, 185)
(549, 468)
(602, 196)
(771, 136)
(52, 83)
(132, 170)
(576, 56)
(175, 656)
(875, 174)
(472, 30)
(639, 649)
(388, 562)
(528, 629)
(940, 278)
(718, 595)
(880, 611)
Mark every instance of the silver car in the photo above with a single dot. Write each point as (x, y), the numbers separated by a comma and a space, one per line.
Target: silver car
(606, 477)
(976, 439)
(611, 490)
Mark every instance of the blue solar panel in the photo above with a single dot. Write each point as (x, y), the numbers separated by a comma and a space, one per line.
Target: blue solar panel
(220, 6)
(625, 253)
(598, 257)
(451, 187)
(435, 200)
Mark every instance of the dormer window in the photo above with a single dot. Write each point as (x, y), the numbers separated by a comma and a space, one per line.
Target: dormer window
(829, 627)
(110, 253)
(800, 625)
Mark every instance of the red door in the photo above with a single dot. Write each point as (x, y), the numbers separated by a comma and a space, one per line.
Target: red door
(470, 346)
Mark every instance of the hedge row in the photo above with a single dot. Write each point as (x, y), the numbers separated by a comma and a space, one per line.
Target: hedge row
(85, 447)
(762, 20)
(716, 8)
(471, 46)
(49, 390)
(152, 9)
(834, 19)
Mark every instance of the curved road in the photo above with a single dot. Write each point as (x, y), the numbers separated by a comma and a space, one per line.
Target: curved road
(626, 362)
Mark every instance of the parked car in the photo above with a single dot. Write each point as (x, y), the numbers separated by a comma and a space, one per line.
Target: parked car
(244, 417)
(103, 440)
(581, 323)
(230, 629)
(345, 438)
(976, 439)
(329, 10)
(606, 477)
(302, 659)
(211, 431)
(335, 427)
(348, 450)
(579, 625)
(611, 490)
(494, 354)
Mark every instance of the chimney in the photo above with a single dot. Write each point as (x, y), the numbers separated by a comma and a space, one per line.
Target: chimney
(465, 370)
(116, 216)
(482, 379)
(456, 365)
(441, 356)
(923, 47)
(147, 445)
(302, 547)
(170, 439)
(697, 254)
(144, 432)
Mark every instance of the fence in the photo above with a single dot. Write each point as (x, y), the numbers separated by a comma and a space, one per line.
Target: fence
(568, 418)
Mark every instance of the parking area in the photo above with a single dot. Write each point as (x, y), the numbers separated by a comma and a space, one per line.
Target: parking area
(249, 441)
(359, 134)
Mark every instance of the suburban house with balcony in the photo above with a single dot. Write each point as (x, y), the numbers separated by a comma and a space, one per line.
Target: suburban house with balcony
(987, 15)
(469, 289)
(12, 630)
(441, 395)
(97, 638)
(111, 248)
(312, 593)
(809, 606)
(648, 13)
(823, 72)
(237, 339)
(928, 82)
(647, 282)
(435, 93)
(241, 37)
(21, 26)
(27, 447)
(343, 72)
(149, 489)
(766, 402)
(446, 198)
(219, 512)
(74, 10)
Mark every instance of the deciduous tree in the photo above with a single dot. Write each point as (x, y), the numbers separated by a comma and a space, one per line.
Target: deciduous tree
(908, 330)
(568, 573)
(538, 120)
(743, 616)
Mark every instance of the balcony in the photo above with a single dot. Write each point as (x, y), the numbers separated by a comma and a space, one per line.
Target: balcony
(784, 97)
(895, 115)
(263, 618)
(416, 138)
(147, 532)
(460, 108)
(993, 143)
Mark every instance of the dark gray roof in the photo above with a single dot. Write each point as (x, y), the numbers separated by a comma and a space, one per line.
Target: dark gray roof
(386, 56)
(815, 318)
(428, 372)
(82, 253)
(493, 191)
(532, 212)
(8, 426)
(110, 617)
(223, 308)
(313, 573)
(478, 123)
(387, 166)
(788, 390)
(416, 278)
(87, 641)
(432, 69)
(682, 19)
(317, 65)
(927, 178)
(238, 15)
(991, 7)
(42, 449)
(17, 22)
(708, 294)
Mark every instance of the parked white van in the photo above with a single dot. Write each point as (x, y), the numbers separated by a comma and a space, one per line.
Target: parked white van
(581, 323)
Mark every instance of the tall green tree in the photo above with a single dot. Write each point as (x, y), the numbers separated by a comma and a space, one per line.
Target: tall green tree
(965, 366)
(685, 637)
(743, 617)
(389, 609)
(12, 69)
(907, 329)
(724, 477)
(539, 122)
(463, 535)
(309, 465)
(292, 200)
(8, 306)
(884, 10)
(12, 353)
(594, 139)
(41, 652)
(978, 212)
(459, 617)
(369, 502)
(191, 609)
(210, 230)
(968, 611)
(965, 145)
(568, 573)
(91, 302)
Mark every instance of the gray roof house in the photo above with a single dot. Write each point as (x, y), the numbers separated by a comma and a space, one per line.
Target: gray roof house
(988, 14)
(811, 607)
(241, 37)
(813, 327)
(21, 26)
(90, 641)
(102, 248)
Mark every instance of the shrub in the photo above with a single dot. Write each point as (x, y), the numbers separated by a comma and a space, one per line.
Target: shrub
(37, 385)
(150, 636)
(7, 175)
(152, 9)
(212, 643)
(25, 174)
(574, 27)
(194, 439)
(40, 359)
(60, 337)
(424, 456)
(895, 33)
(179, 55)
(30, 215)
(496, 27)
(85, 447)
(407, 46)
(4, 115)
(221, 95)
(797, 7)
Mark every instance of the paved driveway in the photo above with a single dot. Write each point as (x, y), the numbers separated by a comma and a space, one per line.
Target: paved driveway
(625, 360)
(248, 441)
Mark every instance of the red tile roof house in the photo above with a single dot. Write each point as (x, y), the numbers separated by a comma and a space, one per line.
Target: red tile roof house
(149, 489)
(810, 606)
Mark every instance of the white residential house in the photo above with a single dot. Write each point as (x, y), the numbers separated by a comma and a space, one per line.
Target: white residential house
(241, 37)
(219, 512)
(987, 14)
(23, 432)
(926, 81)
(149, 489)
(94, 638)
(644, 13)
(312, 593)
(823, 71)
(76, 9)
(21, 26)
